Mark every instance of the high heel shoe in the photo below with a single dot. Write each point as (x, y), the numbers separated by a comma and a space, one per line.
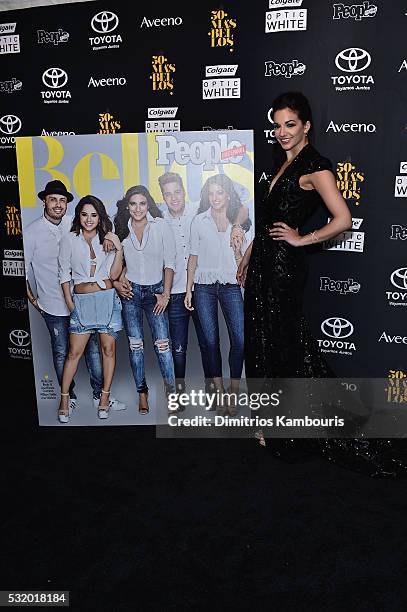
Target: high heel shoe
(143, 406)
(64, 413)
(103, 411)
(259, 435)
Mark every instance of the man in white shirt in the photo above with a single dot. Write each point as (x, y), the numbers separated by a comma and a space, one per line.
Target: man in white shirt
(41, 250)
(180, 216)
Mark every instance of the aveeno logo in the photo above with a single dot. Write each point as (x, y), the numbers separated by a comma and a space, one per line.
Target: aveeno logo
(350, 127)
(107, 82)
(160, 22)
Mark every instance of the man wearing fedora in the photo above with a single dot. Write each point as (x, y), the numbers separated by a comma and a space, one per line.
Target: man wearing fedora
(41, 249)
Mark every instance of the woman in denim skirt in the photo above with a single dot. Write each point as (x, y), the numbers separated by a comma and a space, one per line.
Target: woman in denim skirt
(94, 304)
(149, 253)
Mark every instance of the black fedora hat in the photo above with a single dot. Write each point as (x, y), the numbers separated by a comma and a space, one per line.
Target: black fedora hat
(55, 187)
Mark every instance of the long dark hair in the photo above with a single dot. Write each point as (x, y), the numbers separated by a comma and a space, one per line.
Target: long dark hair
(104, 226)
(122, 217)
(227, 184)
(298, 103)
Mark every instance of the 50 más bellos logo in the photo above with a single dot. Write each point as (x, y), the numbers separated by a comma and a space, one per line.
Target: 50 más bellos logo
(162, 74)
(284, 69)
(54, 80)
(108, 124)
(357, 12)
(52, 38)
(222, 32)
(105, 24)
(13, 221)
(348, 180)
(338, 330)
(284, 17)
(352, 61)
(221, 88)
(396, 391)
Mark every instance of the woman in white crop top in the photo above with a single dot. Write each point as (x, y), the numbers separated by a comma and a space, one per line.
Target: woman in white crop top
(94, 304)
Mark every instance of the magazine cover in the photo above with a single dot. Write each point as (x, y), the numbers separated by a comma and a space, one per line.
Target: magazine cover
(131, 246)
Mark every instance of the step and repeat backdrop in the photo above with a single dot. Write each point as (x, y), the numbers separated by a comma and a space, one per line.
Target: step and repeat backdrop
(110, 69)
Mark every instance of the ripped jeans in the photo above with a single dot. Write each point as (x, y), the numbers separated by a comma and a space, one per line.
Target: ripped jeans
(144, 300)
(58, 327)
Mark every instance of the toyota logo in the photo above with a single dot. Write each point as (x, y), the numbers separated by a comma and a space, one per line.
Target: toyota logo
(399, 278)
(55, 78)
(19, 337)
(270, 115)
(10, 124)
(353, 60)
(104, 22)
(337, 327)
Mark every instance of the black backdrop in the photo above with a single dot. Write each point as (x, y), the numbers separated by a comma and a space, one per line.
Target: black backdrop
(355, 76)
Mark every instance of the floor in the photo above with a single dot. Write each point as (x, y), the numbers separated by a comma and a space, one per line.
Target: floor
(126, 521)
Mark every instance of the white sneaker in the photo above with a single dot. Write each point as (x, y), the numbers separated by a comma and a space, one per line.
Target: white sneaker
(114, 404)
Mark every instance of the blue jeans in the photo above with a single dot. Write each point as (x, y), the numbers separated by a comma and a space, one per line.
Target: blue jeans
(179, 318)
(144, 300)
(58, 328)
(231, 302)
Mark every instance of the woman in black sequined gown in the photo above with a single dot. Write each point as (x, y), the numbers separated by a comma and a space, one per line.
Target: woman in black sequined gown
(273, 272)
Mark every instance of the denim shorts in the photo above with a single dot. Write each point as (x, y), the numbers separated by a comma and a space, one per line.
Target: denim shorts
(100, 312)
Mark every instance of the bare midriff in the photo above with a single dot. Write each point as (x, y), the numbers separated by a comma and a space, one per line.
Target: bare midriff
(92, 287)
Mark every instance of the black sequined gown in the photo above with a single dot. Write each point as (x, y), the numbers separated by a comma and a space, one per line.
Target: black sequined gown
(278, 341)
(274, 323)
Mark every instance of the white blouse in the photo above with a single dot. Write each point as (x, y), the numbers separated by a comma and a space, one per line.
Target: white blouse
(216, 259)
(75, 260)
(145, 262)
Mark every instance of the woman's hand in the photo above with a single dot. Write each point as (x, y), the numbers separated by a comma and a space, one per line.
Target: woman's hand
(71, 306)
(162, 303)
(242, 271)
(123, 288)
(188, 300)
(111, 242)
(282, 231)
